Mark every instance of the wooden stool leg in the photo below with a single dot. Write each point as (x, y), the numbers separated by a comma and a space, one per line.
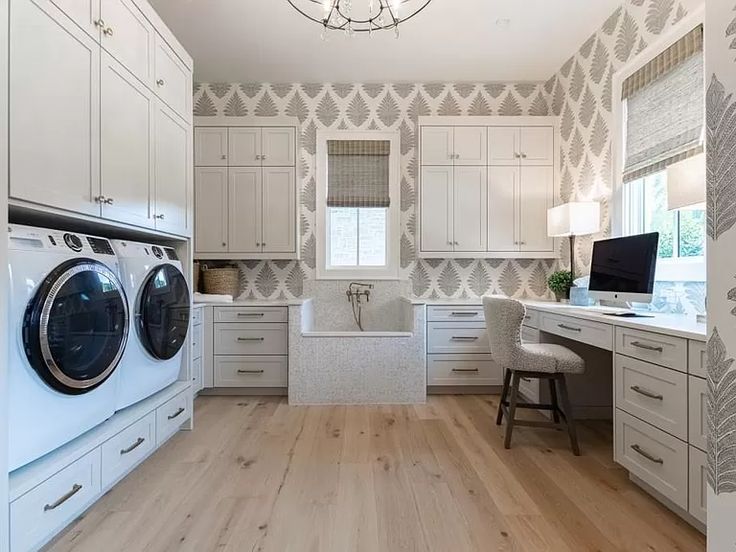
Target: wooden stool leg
(512, 410)
(553, 396)
(504, 395)
(567, 409)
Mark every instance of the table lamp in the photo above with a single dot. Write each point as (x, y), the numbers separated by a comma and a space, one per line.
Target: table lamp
(576, 218)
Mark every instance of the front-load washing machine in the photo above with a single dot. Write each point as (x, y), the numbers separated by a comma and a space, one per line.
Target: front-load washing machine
(68, 324)
(159, 302)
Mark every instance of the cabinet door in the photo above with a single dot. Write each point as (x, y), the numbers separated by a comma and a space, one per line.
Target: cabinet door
(210, 210)
(54, 114)
(536, 196)
(503, 184)
(128, 36)
(436, 209)
(245, 147)
(210, 147)
(279, 210)
(126, 138)
(171, 172)
(172, 79)
(84, 13)
(471, 146)
(536, 145)
(503, 146)
(278, 147)
(437, 146)
(469, 208)
(244, 210)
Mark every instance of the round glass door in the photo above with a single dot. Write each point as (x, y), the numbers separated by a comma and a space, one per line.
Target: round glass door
(163, 312)
(76, 326)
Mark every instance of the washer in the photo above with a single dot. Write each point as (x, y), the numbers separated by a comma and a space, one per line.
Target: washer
(68, 323)
(160, 303)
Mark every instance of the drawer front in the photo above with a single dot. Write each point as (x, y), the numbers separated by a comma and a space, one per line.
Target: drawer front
(529, 387)
(660, 349)
(196, 375)
(251, 314)
(197, 340)
(251, 339)
(586, 331)
(463, 370)
(456, 313)
(47, 508)
(170, 416)
(655, 394)
(171, 78)
(251, 371)
(531, 319)
(656, 457)
(197, 316)
(697, 360)
(698, 485)
(698, 392)
(457, 337)
(128, 448)
(529, 335)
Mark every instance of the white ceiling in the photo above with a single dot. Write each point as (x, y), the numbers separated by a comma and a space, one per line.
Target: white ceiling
(451, 40)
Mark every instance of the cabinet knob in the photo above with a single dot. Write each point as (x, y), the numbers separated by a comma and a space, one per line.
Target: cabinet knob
(517, 156)
(100, 24)
(224, 244)
(223, 157)
(159, 217)
(160, 82)
(108, 31)
(449, 243)
(263, 244)
(100, 199)
(456, 243)
(258, 244)
(522, 243)
(523, 155)
(109, 201)
(263, 157)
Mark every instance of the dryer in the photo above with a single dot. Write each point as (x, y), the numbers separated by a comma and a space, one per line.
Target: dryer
(159, 301)
(68, 323)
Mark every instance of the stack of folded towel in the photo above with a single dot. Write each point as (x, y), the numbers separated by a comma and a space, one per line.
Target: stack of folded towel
(212, 298)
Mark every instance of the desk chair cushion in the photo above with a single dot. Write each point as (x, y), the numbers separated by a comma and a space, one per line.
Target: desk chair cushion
(546, 357)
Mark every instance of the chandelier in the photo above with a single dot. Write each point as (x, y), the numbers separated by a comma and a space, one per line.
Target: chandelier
(366, 17)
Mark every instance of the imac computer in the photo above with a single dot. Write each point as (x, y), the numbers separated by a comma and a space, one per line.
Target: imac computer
(622, 270)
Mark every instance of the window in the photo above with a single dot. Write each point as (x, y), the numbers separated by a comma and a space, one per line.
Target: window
(357, 205)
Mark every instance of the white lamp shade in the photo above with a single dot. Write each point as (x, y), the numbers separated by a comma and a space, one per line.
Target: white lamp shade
(686, 183)
(576, 218)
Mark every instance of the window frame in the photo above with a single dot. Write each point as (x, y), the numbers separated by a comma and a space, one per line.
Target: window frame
(389, 271)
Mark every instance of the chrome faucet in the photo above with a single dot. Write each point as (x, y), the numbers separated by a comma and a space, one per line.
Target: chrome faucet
(355, 291)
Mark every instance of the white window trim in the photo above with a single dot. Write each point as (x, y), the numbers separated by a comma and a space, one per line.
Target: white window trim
(393, 217)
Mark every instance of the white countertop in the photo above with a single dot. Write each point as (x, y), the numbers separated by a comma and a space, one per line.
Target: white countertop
(255, 303)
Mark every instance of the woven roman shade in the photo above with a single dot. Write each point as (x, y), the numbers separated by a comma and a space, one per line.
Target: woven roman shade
(664, 109)
(357, 173)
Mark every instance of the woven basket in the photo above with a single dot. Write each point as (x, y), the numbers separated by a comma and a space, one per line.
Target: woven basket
(221, 281)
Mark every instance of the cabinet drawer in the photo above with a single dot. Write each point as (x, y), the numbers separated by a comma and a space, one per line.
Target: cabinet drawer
(46, 509)
(586, 331)
(197, 340)
(196, 375)
(463, 370)
(658, 348)
(698, 409)
(251, 371)
(697, 363)
(698, 485)
(531, 319)
(197, 316)
(529, 335)
(251, 314)
(457, 337)
(455, 313)
(251, 339)
(128, 448)
(171, 414)
(171, 78)
(655, 394)
(656, 457)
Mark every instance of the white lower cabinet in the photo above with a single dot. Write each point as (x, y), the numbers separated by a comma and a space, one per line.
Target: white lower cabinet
(463, 370)
(128, 448)
(251, 371)
(171, 414)
(698, 485)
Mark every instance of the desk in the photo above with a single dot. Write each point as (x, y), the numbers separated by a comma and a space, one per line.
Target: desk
(657, 395)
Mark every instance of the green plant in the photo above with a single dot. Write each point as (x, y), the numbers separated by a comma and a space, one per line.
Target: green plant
(560, 282)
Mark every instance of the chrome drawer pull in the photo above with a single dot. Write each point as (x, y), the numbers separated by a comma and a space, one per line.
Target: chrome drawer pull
(251, 338)
(464, 338)
(132, 447)
(177, 413)
(637, 389)
(463, 313)
(636, 448)
(465, 370)
(571, 328)
(244, 314)
(75, 489)
(641, 345)
(250, 371)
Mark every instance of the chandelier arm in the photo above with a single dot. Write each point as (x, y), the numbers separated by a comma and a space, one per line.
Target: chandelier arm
(368, 24)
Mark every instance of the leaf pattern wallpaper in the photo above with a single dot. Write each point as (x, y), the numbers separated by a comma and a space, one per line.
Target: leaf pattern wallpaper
(721, 417)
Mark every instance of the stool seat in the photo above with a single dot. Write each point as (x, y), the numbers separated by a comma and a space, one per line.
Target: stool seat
(546, 357)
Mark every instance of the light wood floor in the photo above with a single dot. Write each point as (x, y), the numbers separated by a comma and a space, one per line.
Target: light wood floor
(257, 474)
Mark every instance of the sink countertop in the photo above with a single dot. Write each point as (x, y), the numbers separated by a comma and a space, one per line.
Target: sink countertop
(255, 303)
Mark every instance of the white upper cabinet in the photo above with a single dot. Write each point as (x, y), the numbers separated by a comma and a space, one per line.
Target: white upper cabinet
(278, 199)
(503, 146)
(210, 208)
(536, 146)
(85, 13)
(503, 184)
(536, 195)
(172, 166)
(469, 209)
(54, 109)
(244, 145)
(126, 139)
(128, 36)
(278, 147)
(470, 145)
(172, 80)
(436, 209)
(437, 146)
(244, 197)
(210, 147)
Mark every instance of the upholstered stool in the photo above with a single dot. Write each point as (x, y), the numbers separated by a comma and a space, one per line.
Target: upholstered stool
(542, 361)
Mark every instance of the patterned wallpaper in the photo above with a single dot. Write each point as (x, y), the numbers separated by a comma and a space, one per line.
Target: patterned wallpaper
(380, 106)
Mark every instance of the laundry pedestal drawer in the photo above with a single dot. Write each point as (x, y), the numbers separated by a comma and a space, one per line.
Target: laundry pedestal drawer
(170, 416)
(129, 447)
(251, 371)
(48, 507)
(251, 339)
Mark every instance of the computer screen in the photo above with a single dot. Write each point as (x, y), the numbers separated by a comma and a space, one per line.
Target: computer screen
(623, 268)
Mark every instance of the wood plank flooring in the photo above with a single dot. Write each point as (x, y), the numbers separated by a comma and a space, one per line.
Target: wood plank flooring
(257, 474)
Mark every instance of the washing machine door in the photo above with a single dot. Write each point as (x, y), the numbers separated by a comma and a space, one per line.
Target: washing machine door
(76, 326)
(163, 311)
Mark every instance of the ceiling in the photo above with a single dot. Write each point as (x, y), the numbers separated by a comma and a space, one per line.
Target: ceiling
(451, 40)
